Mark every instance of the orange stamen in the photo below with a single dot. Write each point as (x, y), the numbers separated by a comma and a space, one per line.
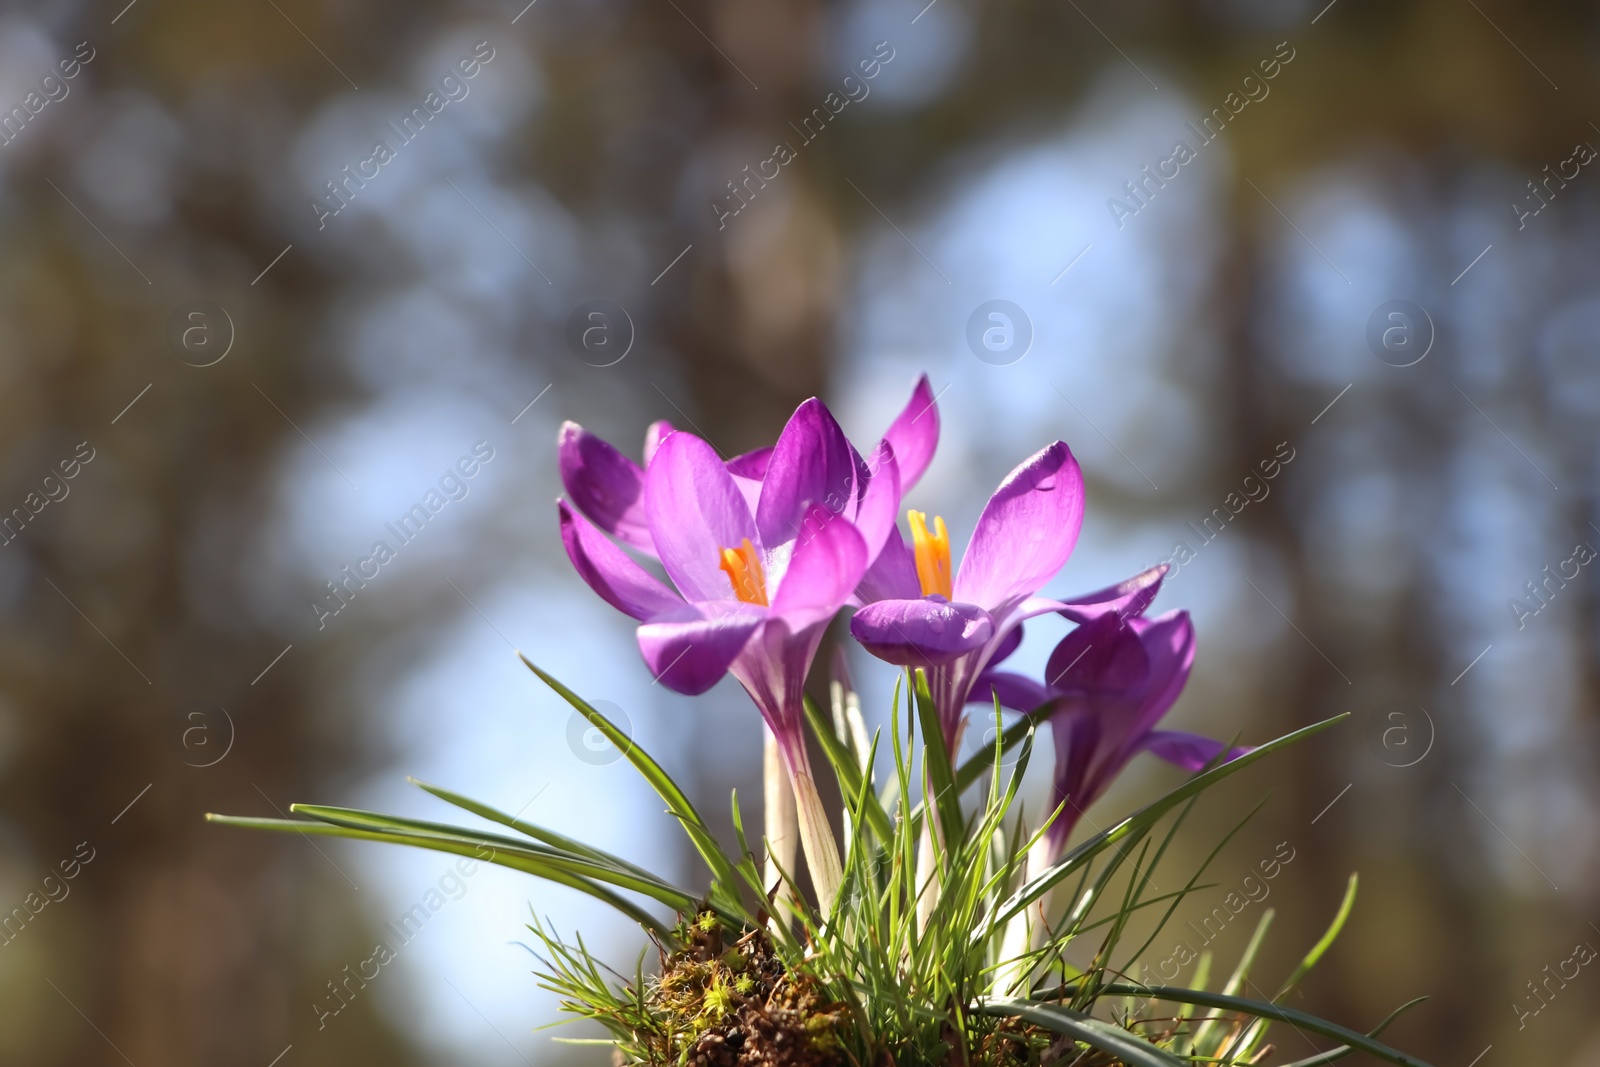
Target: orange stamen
(744, 571)
(932, 552)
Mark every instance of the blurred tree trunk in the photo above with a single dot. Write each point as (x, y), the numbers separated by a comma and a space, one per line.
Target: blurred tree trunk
(131, 655)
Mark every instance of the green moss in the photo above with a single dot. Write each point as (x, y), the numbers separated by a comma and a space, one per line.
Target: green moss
(738, 1006)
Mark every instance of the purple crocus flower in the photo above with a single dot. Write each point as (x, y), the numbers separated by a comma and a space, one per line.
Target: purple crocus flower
(1018, 692)
(918, 613)
(607, 488)
(1109, 682)
(757, 571)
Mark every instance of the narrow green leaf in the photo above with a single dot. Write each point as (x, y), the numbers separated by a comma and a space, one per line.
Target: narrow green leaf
(1102, 960)
(1333, 1055)
(1141, 820)
(1172, 833)
(1107, 1037)
(1263, 1010)
(725, 880)
(1202, 971)
(936, 766)
(847, 769)
(538, 833)
(1241, 973)
(1328, 938)
(528, 864)
(979, 762)
(417, 829)
(1259, 1030)
(1236, 981)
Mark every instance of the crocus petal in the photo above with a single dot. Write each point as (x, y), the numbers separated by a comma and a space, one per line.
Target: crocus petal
(605, 485)
(1103, 656)
(892, 576)
(752, 465)
(654, 434)
(1077, 737)
(1009, 642)
(1128, 713)
(1190, 751)
(812, 463)
(1026, 531)
(690, 647)
(921, 633)
(747, 471)
(695, 510)
(915, 433)
(750, 489)
(879, 504)
(773, 668)
(1129, 597)
(1169, 642)
(1014, 691)
(829, 559)
(620, 581)
(1010, 626)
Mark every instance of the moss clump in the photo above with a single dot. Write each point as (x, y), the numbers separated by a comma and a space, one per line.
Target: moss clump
(717, 1005)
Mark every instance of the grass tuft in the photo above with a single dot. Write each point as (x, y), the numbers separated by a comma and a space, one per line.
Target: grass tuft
(916, 964)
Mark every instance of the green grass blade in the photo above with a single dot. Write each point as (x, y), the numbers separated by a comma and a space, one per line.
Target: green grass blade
(847, 769)
(903, 901)
(1333, 1055)
(747, 860)
(1328, 938)
(1262, 1009)
(358, 819)
(979, 762)
(936, 766)
(416, 829)
(1127, 1046)
(1141, 820)
(1194, 880)
(538, 833)
(526, 863)
(725, 880)
(1235, 982)
(1259, 1030)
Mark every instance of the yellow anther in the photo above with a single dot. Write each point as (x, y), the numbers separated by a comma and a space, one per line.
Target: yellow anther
(932, 551)
(743, 568)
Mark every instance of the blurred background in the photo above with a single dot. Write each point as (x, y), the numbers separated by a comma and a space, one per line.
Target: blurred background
(255, 341)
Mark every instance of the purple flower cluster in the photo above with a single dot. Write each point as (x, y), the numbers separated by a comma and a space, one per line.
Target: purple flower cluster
(763, 550)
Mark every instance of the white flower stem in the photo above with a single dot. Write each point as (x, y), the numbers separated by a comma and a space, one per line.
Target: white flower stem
(929, 882)
(816, 837)
(927, 873)
(837, 696)
(781, 824)
(1025, 932)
